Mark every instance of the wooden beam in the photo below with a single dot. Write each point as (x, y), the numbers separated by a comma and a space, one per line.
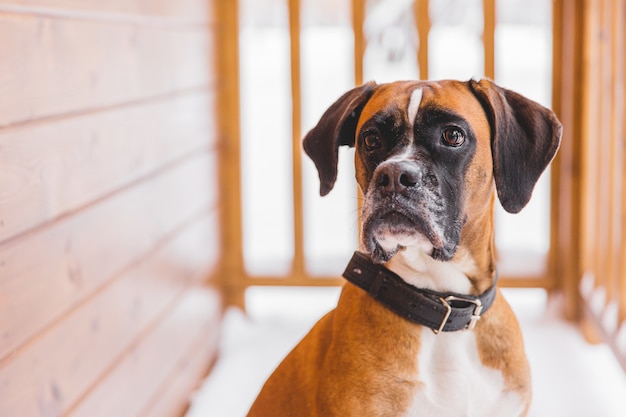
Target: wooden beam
(619, 15)
(566, 257)
(422, 20)
(296, 129)
(227, 49)
(56, 67)
(489, 37)
(358, 17)
(118, 11)
(590, 125)
(602, 142)
(616, 238)
(305, 280)
(554, 268)
(108, 150)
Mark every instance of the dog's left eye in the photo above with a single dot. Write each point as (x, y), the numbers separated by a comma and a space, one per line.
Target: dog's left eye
(453, 137)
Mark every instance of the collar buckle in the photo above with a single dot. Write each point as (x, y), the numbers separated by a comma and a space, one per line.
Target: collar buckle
(478, 308)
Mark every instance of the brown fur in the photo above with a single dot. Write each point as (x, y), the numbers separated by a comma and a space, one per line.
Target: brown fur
(322, 376)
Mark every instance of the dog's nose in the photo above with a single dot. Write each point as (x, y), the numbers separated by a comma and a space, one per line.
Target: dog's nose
(397, 176)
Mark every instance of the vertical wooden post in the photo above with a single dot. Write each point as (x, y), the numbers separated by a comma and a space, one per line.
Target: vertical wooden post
(568, 35)
(422, 20)
(589, 116)
(602, 145)
(358, 20)
(554, 268)
(489, 36)
(296, 129)
(227, 49)
(619, 123)
(616, 15)
(358, 17)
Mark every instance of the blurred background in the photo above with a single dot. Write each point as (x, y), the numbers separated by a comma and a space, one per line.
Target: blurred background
(520, 58)
(160, 225)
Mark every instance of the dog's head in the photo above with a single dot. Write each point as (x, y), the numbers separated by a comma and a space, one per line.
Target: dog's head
(428, 155)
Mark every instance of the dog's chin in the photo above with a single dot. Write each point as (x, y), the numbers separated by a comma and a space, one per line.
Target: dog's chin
(388, 243)
(385, 242)
(383, 250)
(386, 235)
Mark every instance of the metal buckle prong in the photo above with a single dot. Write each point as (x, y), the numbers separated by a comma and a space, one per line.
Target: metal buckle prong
(448, 307)
(478, 308)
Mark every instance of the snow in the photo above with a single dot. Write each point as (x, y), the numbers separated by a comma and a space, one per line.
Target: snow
(570, 377)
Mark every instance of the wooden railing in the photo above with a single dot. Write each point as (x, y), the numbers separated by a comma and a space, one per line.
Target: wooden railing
(237, 276)
(591, 188)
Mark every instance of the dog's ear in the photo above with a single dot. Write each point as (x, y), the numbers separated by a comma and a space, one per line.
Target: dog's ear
(524, 138)
(337, 127)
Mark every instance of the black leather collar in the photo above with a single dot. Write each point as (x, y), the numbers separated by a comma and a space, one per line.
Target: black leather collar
(446, 312)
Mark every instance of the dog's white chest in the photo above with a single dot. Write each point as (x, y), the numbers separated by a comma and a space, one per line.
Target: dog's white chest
(455, 383)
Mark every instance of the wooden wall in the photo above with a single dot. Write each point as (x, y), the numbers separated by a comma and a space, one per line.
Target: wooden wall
(108, 205)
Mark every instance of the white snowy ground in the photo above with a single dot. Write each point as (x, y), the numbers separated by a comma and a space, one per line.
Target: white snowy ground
(570, 377)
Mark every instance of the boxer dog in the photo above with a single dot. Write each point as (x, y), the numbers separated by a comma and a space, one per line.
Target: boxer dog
(420, 328)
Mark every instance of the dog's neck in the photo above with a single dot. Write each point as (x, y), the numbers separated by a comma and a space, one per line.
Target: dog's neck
(470, 271)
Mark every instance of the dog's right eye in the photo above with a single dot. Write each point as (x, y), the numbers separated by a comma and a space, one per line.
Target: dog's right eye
(371, 142)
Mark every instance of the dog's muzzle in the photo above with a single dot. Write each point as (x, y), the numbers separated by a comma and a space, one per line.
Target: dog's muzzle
(404, 207)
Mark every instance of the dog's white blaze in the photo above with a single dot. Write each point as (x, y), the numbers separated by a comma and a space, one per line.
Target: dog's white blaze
(414, 104)
(411, 110)
(454, 382)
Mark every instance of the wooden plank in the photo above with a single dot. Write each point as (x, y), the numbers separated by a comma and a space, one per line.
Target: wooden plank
(589, 126)
(489, 37)
(45, 274)
(601, 140)
(422, 19)
(618, 17)
(129, 387)
(556, 270)
(51, 373)
(571, 32)
(307, 281)
(621, 7)
(358, 18)
(296, 136)
(227, 48)
(180, 9)
(105, 150)
(173, 397)
(622, 265)
(53, 67)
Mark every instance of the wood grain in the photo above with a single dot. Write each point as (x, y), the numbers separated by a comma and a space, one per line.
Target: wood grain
(51, 168)
(53, 67)
(174, 395)
(127, 389)
(60, 366)
(180, 9)
(422, 23)
(45, 274)
(109, 213)
(227, 48)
